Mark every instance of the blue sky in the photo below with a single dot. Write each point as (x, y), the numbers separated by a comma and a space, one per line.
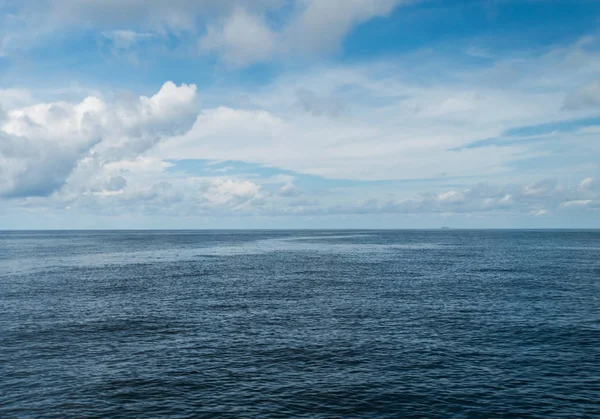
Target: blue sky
(299, 114)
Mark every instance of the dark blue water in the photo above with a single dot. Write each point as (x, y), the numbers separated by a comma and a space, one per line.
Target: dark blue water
(439, 324)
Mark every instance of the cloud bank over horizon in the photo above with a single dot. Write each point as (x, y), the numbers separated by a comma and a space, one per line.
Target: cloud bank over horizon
(298, 113)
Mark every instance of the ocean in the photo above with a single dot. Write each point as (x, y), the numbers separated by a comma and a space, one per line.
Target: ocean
(314, 324)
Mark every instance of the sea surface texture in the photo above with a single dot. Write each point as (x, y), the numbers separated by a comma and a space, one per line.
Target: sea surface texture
(315, 324)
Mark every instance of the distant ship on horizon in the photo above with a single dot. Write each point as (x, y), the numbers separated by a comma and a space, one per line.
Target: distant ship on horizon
(445, 228)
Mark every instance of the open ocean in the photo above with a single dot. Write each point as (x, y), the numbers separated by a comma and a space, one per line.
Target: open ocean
(315, 324)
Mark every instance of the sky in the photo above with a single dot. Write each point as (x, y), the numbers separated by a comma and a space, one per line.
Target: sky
(200, 114)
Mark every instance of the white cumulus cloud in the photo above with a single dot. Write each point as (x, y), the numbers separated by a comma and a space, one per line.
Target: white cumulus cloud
(43, 145)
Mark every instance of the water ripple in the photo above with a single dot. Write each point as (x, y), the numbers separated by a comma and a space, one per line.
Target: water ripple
(292, 324)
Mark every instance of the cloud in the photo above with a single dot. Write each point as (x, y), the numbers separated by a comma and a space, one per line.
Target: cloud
(539, 189)
(538, 213)
(322, 25)
(576, 203)
(224, 197)
(402, 126)
(585, 97)
(12, 98)
(176, 197)
(227, 191)
(241, 40)
(317, 28)
(289, 190)
(451, 197)
(399, 129)
(115, 183)
(175, 15)
(31, 23)
(489, 198)
(402, 133)
(42, 145)
(587, 184)
(242, 132)
(125, 39)
(316, 105)
(237, 31)
(34, 167)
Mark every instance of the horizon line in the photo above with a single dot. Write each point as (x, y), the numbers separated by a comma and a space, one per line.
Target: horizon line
(305, 229)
